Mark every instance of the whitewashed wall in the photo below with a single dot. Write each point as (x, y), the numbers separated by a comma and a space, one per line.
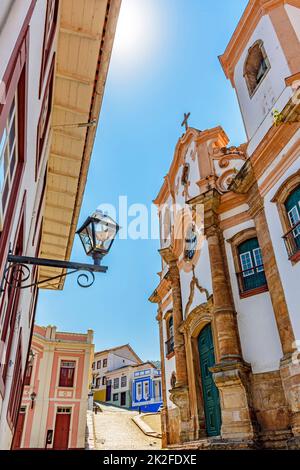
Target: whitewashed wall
(259, 336)
(289, 273)
(272, 92)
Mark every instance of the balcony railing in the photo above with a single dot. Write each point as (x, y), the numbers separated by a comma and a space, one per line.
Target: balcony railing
(292, 240)
(252, 280)
(169, 346)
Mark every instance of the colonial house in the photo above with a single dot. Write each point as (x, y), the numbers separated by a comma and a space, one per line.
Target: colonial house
(55, 398)
(228, 309)
(53, 67)
(106, 362)
(146, 388)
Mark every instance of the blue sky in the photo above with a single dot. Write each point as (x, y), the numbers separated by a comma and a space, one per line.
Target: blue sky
(164, 63)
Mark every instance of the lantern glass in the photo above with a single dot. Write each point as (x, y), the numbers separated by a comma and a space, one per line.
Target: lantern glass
(98, 233)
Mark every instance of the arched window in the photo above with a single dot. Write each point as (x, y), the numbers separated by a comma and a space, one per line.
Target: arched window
(256, 66)
(292, 206)
(252, 275)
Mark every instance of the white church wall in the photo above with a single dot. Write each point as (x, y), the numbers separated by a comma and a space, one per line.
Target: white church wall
(259, 336)
(289, 273)
(257, 111)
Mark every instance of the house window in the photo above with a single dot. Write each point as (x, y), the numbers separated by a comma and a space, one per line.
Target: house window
(115, 397)
(104, 362)
(256, 66)
(124, 381)
(252, 275)
(116, 382)
(8, 155)
(16, 387)
(146, 390)
(67, 372)
(93, 366)
(292, 207)
(98, 382)
(170, 333)
(139, 391)
(28, 374)
(104, 380)
(98, 364)
(44, 118)
(50, 28)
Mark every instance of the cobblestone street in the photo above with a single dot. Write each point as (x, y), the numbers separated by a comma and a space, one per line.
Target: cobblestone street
(115, 430)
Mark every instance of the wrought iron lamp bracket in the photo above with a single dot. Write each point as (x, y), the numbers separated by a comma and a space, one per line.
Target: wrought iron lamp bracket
(17, 271)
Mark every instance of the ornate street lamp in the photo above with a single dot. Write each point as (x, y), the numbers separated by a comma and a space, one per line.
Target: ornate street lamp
(96, 234)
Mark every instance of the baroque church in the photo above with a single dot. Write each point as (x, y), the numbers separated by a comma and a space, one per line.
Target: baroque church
(227, 301)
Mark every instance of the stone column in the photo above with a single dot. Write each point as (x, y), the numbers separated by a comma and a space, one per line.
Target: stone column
(231, 374)
(179, 394)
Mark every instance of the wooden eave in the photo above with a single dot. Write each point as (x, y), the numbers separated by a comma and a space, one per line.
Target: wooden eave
(85, 39)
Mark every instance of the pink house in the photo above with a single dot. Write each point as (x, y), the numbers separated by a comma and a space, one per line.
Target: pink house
(55, 398)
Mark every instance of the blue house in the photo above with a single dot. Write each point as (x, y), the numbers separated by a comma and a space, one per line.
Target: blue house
(146, 388)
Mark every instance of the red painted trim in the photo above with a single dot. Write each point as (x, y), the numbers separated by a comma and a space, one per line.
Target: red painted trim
(295, 258)
(11, 297)
(47, 47)
(40, 141)
(16, 75)
(16, 387)
(38, 214)
(9, 77)
(250, 293)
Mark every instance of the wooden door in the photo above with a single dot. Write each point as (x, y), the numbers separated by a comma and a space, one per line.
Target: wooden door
(108, 392)
(123, 398)
(19, 430)
(62, 429)
(210, 392)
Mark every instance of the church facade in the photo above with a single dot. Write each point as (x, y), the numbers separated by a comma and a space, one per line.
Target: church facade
(228, 311)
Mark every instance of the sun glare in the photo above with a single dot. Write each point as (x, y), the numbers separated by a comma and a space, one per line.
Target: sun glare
(136, 31)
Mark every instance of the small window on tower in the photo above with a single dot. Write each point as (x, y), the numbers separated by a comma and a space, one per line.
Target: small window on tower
(256, 66)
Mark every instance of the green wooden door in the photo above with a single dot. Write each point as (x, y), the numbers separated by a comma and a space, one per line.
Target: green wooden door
(210, 392)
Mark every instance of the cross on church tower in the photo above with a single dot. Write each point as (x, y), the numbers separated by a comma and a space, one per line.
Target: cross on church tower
(185, 121)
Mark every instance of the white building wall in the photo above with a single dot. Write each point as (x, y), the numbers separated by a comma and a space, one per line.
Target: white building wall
(289, 273)
(272, 92)
(258, 331)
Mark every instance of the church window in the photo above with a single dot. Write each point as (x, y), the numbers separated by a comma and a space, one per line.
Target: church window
(292, 238)
(190, 243)
(252, 275)
(256, 66)
(170, 333)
